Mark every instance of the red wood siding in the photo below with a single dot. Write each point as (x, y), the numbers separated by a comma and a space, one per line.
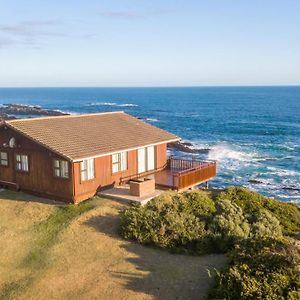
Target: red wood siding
(40, 178)
(161, 156)
(104, 176)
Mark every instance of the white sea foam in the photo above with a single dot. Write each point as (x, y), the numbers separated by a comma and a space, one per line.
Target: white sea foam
(195, 145)
(112, 104)
(282, 172)
(265, 158)
(66, 112)
(225, 151)
(151, 120)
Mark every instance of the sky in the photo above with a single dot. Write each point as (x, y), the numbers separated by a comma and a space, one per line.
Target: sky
(149, 43)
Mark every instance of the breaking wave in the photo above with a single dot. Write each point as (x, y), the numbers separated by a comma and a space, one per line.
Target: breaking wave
(151, 120)
(112, 104)
(225, 151)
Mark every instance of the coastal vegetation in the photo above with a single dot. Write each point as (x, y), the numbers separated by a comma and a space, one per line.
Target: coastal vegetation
(239, 222)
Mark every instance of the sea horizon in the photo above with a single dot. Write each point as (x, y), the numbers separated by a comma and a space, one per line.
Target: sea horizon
(154, 86)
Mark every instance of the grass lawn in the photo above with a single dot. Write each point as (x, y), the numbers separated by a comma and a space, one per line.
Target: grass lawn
(53, 251)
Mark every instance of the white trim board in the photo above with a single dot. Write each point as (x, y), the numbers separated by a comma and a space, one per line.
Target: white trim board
(128, 149)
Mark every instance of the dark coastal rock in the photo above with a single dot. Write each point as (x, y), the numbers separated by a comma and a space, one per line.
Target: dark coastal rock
(4, 116)
(291, 188)
(186, 147)
(7, 111)
(256, 181)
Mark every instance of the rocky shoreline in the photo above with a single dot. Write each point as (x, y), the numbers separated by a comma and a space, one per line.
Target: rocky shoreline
(9, 111)
(187, 147)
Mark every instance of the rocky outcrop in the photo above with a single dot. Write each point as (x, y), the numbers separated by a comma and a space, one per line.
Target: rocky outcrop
(187, 148)
(23, 109)
(8, 111)
(4, 116)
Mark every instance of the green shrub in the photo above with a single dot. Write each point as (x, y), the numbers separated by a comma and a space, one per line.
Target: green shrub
(251, 202)
(165, 221)
(200, 204)
(259, 269)
(265, 226)
(228, 225)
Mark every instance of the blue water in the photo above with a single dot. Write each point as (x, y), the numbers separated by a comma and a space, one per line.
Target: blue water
(253, 132)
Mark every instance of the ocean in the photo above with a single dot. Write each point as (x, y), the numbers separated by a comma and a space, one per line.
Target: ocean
(253, 132)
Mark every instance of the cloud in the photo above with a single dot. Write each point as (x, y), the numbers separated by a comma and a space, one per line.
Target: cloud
(5, 42)
(133, 14)
(31, 29)
(33, 33)
(124, 14)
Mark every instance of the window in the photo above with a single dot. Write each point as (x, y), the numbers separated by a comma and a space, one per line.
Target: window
(119, 162)
(146, 159)
(61, 168)
(87, 168)
(3, 159)
(22, 162)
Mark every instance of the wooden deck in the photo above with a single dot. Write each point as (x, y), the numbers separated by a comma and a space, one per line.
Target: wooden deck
(182, 174)
(179, 174)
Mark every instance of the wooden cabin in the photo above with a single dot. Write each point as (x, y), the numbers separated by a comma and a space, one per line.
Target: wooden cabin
(71, 158)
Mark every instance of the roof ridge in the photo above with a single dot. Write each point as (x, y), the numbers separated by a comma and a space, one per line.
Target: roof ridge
(64, 116)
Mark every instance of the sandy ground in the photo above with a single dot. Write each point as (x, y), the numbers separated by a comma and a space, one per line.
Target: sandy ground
(91, 261)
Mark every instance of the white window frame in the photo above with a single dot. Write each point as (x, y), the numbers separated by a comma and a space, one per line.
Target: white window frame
(87, 169)
(61, 168)
(119, 162)
(22, 163)
(4, 159)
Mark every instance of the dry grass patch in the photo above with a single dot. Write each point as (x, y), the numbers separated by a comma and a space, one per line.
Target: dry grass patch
(40, 235)
(17, 217)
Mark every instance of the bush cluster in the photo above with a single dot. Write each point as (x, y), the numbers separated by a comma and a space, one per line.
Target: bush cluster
(171, 220)
(251, 202)
(260, 269)
(248, 226)
(195, 222)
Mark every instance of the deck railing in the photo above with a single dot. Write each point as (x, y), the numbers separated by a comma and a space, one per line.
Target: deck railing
(187, 173)
(180, 164)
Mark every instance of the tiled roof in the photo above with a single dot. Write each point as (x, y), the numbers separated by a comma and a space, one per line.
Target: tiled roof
(81, 136)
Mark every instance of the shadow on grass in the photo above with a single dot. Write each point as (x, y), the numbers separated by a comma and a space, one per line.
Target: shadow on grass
(45, 235)
(23, 197)
(156, 272)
